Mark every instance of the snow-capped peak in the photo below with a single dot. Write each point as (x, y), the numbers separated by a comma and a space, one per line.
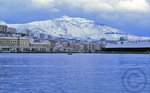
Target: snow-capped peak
(69, 27)
(75, 19)
(2, 23)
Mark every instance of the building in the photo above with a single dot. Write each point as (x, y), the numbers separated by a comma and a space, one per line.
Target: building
(12, 41)
(11, 30)
(40, 47)
(72, 46)
(58, 48)
(16, 44)
(3, 28)
(13, 44)
(81, 47)
(65, 45)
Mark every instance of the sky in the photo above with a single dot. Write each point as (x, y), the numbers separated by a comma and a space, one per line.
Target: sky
(130, 16)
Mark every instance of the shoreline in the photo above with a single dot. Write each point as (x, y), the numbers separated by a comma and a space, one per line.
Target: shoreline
(70, 53)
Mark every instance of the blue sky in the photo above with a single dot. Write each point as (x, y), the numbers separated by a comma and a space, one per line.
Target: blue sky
(131, 16)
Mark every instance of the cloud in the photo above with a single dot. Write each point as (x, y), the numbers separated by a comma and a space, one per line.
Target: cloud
(50, 5)
(43, 3)
(96, 6)
(88, 5)
(101, 6)
(134, 6)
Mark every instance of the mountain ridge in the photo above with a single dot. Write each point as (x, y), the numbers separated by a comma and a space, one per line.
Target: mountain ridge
(69, 27)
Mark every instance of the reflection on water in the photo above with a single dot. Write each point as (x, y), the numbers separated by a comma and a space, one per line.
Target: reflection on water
(77, 73)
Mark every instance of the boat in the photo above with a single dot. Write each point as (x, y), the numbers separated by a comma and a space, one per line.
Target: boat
(128, 47)
(70, 53)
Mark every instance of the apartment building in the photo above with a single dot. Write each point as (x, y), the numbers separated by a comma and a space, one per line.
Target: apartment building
(13, 43)
(40, 47)
(3, 28)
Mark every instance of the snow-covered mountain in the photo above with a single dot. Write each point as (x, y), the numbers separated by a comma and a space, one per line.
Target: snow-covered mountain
(68, 27)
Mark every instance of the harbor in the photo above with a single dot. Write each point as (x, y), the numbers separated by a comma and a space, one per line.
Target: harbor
(24, 42)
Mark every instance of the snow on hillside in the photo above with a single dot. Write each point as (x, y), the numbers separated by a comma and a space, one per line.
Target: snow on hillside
(73, 27)
(2, 23)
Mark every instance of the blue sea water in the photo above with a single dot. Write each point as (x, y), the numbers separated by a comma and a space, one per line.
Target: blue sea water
(77, 73)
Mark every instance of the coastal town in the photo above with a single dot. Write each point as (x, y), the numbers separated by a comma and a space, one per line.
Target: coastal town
(13, 41)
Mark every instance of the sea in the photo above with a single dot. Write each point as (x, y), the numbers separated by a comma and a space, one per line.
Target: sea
(76, 73)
